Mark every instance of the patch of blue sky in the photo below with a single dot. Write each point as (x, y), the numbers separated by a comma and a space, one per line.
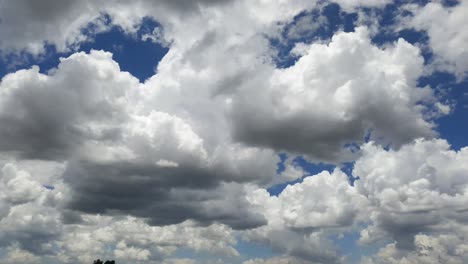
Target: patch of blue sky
(133, 54)
(349, 246)
(252, 250)
(454, 126)
(49, 187)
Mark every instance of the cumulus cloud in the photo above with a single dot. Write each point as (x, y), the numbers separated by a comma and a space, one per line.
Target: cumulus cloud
(95, 163)
(84, 125)
(16, 255)
(324, 200)
(26, 221)
(446, 40)
(50, 116)
(333, 96)
(33, 231)
(428, 249)
(30, 25)
(420, 188)
(304, 214)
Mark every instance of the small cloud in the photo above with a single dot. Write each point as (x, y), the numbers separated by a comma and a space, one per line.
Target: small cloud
(167, 163)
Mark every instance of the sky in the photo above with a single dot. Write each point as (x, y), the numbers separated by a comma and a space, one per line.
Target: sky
(234, 131)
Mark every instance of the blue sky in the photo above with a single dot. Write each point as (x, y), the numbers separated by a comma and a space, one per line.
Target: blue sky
(233, 132)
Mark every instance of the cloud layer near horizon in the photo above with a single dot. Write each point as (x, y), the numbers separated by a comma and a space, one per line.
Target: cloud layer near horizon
(96, 163)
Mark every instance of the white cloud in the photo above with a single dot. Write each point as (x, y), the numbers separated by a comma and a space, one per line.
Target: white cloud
(446, 39)
(16, 255)
(429, 250)
(421, 188)
(131, 253)
(276, 260)
(304, 214)
(334, 95)
(17, 186)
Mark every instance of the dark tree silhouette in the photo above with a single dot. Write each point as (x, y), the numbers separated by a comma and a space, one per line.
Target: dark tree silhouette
(98, 261)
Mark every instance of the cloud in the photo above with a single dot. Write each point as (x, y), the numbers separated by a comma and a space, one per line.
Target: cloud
(96, 163)
(50, 116)
(26, 221)
(34, 231)
(333, 96)
(275, 260)
(446, 40)
(17, 186)
(325, 200)
(429, 249)
(420, 188)
(305, 214)
(16, 255)
(131, 239)
(29, 25)
(65, 117)
(352, 5)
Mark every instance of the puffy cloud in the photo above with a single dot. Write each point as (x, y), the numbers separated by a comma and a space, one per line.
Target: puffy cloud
(321, 201)
(428, 249)
(33, 231)
(150, 150)
(29, 25)
(131, 239)
(333, 96)
(304, 214)
(131, 253)
(85, 127)
(17, 186)
(415, 196)
(26, 222)
(49, 116)
(181, 160)
(421, 188)
(16, 255)
(446, 40)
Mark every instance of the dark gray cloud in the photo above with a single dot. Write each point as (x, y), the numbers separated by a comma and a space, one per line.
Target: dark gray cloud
(164, 196)
(326, 139)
